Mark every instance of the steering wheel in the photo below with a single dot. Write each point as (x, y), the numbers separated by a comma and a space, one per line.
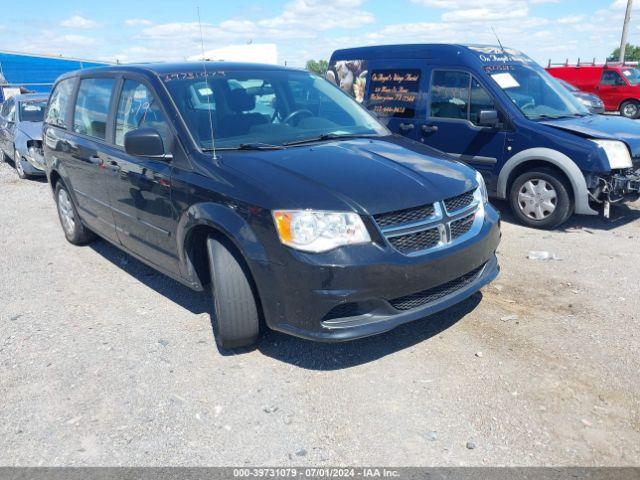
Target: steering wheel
(296, 114)
(528, 105)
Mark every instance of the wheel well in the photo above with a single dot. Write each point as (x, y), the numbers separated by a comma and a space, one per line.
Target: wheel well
(537, 164)
(628, 100)
(197, 256)
(54, 178)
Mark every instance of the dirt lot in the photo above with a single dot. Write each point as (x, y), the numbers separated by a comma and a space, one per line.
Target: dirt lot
(105, 362)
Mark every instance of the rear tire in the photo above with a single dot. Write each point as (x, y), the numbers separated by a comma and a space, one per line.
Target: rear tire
(540, 198)
(74, 231)
(630, 109)
(237, 321)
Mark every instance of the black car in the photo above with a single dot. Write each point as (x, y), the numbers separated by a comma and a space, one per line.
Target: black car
(299, 208)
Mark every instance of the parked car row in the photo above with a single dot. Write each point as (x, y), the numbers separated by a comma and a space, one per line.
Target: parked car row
(305, 212)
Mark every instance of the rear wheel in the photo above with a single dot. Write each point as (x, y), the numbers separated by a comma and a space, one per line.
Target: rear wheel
(74, 230)
(630, 109)
(236, 322)
(540, 199)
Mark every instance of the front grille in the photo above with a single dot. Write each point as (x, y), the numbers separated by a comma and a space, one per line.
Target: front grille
(401, 217)
(415, 242)
(415, 231)
(436, 293)
(459, 202)
(462, 226)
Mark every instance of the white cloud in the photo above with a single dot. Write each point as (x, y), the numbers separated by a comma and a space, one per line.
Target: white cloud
(321, 15)
(138, 22)
(78, 21)
(571, 19)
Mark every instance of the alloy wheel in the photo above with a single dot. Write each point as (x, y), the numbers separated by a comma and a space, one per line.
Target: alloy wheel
(630, 110)
(537, 199)
(65, 209)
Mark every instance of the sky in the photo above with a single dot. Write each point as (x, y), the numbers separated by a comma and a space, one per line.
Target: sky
(159, 30)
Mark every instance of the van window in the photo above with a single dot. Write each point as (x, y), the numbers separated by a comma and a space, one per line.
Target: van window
(394, 93)
(59, 104)
(92, 107)
(138, 108)
(450, 94)
(610, 77)
(458, 95)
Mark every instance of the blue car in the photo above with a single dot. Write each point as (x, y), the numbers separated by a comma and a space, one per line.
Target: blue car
(497, 110)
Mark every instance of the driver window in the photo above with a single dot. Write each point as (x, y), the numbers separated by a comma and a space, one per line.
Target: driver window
(609, 77)
(449, 94)
(138, 108)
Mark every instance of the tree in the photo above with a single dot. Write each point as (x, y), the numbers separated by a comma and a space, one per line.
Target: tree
(318, 67)
(631, 54)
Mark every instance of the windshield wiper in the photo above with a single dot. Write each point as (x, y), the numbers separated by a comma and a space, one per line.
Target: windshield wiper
(249, 146)
(330, 136)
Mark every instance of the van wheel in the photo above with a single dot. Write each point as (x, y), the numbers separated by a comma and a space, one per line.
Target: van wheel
(630, 109)
(236, 322)
(540, 199)
(73, 229)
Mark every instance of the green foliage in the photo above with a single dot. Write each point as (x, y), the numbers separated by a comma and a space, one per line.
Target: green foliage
(318, 67)
(631, 54)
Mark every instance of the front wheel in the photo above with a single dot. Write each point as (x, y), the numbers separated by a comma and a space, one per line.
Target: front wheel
(17, 160)
(630, 109)
(74, 230)
(236, 322)
(540, 198)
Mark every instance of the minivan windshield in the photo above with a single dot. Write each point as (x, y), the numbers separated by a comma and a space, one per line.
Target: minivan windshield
(32, 110)
(266, 108)
(537, 94)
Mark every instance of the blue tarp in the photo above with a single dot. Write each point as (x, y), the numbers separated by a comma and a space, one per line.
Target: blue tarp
(36, 73)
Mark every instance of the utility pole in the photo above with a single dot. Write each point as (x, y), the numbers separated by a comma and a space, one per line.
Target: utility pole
(623, 40)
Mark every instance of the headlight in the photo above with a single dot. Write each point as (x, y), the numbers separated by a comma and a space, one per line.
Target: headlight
(617, 153)
(482, 187)
(317, 231)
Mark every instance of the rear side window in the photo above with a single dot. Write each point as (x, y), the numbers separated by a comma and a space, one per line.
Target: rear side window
(59, 104)
(394, 93)
(610, 77)
(458, 95)
(138, 108)
(92, 107)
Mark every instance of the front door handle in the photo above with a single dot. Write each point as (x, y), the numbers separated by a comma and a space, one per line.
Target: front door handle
(406, 127)
(429, 128)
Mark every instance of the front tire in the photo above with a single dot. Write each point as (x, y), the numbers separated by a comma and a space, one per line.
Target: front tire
(17, 161)
(74, 231)
(236, 322)
(540, 199)
(630, 109)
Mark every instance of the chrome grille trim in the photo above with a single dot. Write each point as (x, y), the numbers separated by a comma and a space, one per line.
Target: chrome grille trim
(454, 227)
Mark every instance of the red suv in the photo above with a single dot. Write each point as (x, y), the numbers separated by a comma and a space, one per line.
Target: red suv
(617, 84)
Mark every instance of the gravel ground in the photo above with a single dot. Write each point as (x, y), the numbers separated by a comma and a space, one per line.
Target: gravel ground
(103, 361)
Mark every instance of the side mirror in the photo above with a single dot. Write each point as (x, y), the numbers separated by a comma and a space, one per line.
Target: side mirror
(488, 118)
(144, 142)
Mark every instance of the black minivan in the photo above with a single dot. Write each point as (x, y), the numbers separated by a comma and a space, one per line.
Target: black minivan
(301, 210)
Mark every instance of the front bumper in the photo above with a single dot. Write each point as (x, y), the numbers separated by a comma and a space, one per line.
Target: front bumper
(617, 187)
(353, 292)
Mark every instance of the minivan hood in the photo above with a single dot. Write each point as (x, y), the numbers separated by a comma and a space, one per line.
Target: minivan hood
(370, 175)
(604, 127)
(32, 129)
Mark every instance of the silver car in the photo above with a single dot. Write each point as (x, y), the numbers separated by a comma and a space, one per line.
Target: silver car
(21, 133)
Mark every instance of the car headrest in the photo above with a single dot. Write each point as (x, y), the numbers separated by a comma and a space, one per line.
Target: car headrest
(240, 101)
